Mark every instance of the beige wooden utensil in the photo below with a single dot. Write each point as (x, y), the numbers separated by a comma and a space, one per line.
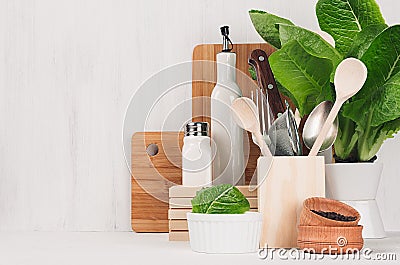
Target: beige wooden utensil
(350, 76)
(327, 37)
(246, 116)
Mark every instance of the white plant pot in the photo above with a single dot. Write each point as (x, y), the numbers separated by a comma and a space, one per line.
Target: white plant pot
(224, 233)
(356, 184)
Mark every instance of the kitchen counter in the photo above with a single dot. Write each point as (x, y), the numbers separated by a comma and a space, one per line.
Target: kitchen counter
(115, 248)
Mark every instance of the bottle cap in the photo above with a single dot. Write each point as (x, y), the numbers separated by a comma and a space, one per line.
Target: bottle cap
(196, 129)
(227, 44)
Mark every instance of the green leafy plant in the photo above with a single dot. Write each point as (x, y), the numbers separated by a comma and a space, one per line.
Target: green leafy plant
(221, 199)
(304, 65)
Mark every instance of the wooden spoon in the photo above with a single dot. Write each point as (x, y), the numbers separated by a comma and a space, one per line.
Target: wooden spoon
(327, 37)
(246, 116)
(350, 77)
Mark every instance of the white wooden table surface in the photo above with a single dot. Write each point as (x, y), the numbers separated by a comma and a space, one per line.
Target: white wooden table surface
(114, 248)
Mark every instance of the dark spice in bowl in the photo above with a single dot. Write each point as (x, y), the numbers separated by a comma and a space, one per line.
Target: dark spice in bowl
(335, 216)
(319, 211)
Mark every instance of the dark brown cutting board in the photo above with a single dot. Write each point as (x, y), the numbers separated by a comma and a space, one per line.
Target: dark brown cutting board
(152, 176)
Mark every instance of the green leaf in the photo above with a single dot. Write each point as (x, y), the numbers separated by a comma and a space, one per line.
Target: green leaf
(305, 76)
(287, 93)
(356, 111)
(265, 24)
(363, 40)
(377, 122)
(313, 43)
(252, 73)
(381, 91)
(372, 138)
(382, 59)
(343, 19)
(221, 199)
(387, 102)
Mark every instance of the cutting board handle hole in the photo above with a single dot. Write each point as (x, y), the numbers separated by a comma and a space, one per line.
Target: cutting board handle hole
(152, 149)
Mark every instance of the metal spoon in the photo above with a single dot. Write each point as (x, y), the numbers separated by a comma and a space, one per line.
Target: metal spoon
(350, 77)
(314, 123)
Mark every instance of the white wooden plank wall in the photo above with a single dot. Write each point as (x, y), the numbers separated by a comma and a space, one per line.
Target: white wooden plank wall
(67, 71)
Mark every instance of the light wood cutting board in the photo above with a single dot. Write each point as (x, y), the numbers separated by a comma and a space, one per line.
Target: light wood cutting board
(152, 176)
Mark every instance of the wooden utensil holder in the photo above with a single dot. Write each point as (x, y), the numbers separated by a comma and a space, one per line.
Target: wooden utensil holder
(281, 193)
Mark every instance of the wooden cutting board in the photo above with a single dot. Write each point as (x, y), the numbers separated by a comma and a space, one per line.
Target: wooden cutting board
(152, 176)
(204, 79)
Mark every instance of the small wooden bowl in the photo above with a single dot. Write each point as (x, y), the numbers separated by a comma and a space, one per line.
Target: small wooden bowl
(308, 218)
(330, 240)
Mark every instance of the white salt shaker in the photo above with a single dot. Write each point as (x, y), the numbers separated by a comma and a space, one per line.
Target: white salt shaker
(196, 155)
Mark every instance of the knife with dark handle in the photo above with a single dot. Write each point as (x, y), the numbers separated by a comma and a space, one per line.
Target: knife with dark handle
(266, 81)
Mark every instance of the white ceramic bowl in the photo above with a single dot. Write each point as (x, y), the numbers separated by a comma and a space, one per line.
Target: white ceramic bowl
(224, 233)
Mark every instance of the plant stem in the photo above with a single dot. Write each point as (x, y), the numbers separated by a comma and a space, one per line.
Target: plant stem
(344, 145)
(346, 133)
(363, 149)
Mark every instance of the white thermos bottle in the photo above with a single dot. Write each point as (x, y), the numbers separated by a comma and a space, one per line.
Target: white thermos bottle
(227, 136)
(196, 155)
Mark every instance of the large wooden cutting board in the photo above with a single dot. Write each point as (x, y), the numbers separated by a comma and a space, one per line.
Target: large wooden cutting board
(152, 176)
(204, 79)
